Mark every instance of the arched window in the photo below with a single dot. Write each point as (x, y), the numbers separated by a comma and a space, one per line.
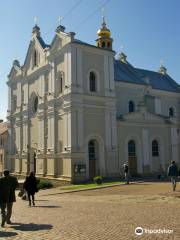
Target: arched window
(171, 112)
(34, 101)
(35, 105)
(35, 58)
(61, 82)
(131, 106)
(92, 82)
(91, 148)
(103, 44)
(109, 44)
(155, 148)
(131, 148)
(60, 79)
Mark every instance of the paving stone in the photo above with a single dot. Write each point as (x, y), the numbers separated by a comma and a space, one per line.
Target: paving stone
(104, 214)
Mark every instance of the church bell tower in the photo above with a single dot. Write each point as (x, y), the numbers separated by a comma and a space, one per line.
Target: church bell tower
(104, 37)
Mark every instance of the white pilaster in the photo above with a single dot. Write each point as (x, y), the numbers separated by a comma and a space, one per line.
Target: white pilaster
(52, 78)
(174, 144)
(18, 94)
(65, 130)
(25, 88)
(74, 129)
(41, 89)
(74, 66)
(79, 70)
(111, 73)
(107, 127)
(80, 125)
(41, 134)
(68, 68)
(69, 129)
(106, 75)
(146, 147)
(51, 132)
(25, 140)
(17, 138)
(114, 128)
(9, 98)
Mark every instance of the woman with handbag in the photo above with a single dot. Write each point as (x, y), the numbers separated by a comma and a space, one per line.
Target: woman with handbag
(30, 185)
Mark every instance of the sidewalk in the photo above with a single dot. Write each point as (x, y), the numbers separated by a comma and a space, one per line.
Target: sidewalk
(105, 213)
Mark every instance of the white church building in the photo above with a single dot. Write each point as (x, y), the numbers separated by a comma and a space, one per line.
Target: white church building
(75, 111)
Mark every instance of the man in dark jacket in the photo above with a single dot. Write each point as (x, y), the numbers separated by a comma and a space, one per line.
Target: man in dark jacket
(8, 185)
(173, 173)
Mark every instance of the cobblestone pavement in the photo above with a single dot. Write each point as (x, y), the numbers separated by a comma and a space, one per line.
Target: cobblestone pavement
(106, 214)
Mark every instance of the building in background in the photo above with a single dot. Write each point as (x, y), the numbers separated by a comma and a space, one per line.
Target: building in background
(3, 145)
(75, 111)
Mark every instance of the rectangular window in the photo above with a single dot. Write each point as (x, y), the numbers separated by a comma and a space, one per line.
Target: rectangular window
(155, 151)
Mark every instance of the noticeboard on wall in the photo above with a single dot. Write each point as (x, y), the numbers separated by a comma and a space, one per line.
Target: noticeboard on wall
(79, 168)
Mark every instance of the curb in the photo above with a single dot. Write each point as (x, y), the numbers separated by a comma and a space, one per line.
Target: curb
(94, 188)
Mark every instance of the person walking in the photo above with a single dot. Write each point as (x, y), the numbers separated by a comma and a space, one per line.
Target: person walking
(173, 173)
(30, 185)
(8, 185)
(126, 172)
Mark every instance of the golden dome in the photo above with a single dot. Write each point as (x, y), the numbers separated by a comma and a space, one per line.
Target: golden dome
(104, 31)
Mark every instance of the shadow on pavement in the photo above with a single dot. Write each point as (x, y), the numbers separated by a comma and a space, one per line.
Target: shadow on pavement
(31, 227)
(176, 196)
(41, 200)
(48, 206)
(7, 234)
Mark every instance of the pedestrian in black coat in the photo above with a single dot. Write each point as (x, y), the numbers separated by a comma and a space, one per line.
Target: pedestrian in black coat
(30, 185)
(8, 185)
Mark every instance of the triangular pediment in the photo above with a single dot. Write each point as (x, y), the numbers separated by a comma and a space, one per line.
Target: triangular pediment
(29, 54)
(60, 40)
(34, 44)
(15, 72)
(56, 43)
(143, 116)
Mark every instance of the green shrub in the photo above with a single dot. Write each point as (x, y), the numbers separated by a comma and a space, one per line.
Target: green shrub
(43, 184)
(98, 180)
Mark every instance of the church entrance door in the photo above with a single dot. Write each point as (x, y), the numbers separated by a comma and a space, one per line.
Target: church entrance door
(132, 159)
(93, 157)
